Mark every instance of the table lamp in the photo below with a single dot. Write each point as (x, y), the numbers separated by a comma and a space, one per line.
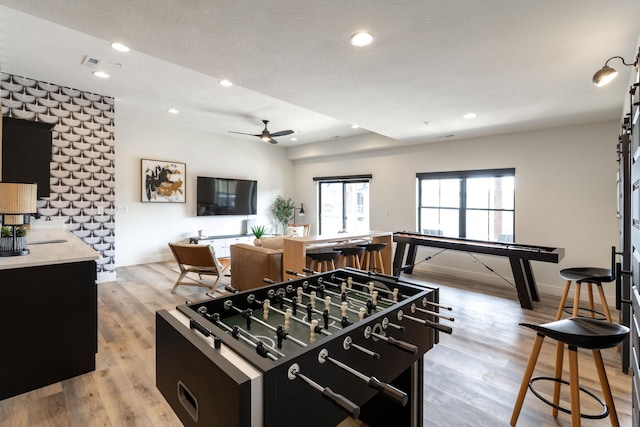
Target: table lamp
(17, 200)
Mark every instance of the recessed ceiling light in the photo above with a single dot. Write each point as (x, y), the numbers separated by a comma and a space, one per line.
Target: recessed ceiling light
(226, 83)
(361, 39)
(470, 116)
(294, 139)
(355, 126)
(173, 111)
(101, 74)
(120, 47)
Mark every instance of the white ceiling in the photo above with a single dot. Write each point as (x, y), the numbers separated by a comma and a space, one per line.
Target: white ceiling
(518, 64)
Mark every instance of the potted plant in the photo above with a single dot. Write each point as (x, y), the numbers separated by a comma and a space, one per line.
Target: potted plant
(6, 238)
(258, 231)
(283, 209)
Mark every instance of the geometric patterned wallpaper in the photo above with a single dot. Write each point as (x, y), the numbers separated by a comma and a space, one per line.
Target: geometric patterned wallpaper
(83, 157)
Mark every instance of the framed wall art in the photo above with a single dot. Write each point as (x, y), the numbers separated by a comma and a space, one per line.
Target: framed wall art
(163, 181)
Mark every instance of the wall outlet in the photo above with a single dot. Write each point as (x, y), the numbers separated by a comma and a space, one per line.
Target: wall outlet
(123, 208)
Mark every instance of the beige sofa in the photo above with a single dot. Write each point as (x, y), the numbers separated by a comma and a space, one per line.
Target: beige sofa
(251, 264)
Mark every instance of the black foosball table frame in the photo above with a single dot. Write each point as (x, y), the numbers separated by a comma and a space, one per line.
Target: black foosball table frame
(218, 365)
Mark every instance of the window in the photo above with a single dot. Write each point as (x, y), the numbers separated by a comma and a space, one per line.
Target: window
(477, 205)
(344, 204)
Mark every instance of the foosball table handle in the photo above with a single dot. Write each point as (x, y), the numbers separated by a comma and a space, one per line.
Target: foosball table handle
(439, 327)
(390, 391)
(402, 345)
(342, 402)
(200, 328)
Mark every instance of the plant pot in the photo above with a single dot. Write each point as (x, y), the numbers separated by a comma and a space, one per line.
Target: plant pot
(6, 243)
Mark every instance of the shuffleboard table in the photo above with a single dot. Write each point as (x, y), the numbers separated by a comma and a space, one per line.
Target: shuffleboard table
(520, 257)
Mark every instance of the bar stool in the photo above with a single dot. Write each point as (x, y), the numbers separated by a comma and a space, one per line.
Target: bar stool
(591, 276)
(575, 332)
(371, 259)
(350, 256)
(323, 260)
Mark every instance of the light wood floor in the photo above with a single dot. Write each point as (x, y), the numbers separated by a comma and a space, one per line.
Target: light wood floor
(471, 377)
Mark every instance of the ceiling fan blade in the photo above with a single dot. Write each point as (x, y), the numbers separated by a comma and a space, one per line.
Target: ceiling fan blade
(272, 141)
(242, 133)
(282, 133)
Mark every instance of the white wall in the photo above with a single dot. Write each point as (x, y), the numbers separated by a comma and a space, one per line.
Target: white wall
(143, 231)
(565, 190)
(565, 193)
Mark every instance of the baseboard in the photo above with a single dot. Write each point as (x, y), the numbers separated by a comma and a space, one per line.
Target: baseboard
(489, 279)
(108, 276)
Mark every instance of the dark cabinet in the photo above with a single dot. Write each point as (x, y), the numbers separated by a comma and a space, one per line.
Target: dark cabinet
(48, 324)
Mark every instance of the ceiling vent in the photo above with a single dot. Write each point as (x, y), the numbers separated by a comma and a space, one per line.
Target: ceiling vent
(90, 62)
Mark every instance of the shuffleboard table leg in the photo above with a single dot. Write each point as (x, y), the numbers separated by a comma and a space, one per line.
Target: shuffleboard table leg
(530, 278)
(524, 294)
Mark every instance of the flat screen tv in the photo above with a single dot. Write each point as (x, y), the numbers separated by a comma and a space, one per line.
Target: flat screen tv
(225, 196)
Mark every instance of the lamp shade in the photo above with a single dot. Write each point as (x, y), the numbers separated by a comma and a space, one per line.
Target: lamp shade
(18, 198)
(604, 75)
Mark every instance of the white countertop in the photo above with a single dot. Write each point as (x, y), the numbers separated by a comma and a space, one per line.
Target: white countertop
(50, 246)
(340, 237)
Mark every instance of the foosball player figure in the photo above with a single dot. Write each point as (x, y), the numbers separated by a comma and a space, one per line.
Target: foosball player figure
(247, 316)
(281, 334)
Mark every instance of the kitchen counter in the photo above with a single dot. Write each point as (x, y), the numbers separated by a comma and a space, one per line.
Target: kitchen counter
(49, 312)
(51, 246)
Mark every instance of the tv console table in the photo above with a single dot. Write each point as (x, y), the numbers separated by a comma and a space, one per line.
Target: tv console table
(221, 244)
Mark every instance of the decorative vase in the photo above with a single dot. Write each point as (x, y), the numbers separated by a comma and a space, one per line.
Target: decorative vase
(6, 243)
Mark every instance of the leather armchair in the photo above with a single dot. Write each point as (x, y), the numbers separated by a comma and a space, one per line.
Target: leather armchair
(250, 264)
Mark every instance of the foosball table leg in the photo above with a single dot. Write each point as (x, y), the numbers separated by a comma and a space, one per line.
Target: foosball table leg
(377, 412)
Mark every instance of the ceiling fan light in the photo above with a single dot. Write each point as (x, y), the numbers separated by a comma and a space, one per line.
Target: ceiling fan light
(604, 75)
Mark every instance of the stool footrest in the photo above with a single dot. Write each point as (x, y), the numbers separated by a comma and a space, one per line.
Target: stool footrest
(604, 413)
(568, 309)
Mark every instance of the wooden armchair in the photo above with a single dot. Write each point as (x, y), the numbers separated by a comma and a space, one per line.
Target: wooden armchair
(199, 259)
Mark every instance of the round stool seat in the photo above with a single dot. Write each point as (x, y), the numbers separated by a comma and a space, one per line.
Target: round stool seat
(324, 256)
(372, 247)
(323, 260)
(587, 274)
(582, 332)
(350, 250)
(350, 256)
(591, 276)
(574, 333)
(372, 257)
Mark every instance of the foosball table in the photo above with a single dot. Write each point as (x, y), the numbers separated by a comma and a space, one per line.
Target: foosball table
(311, 351)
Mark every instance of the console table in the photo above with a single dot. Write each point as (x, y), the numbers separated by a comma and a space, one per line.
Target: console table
(221, 244)
(48, 313)
(294, 255)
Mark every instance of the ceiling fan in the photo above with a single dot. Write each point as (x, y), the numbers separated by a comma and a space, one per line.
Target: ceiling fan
(266, 135)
